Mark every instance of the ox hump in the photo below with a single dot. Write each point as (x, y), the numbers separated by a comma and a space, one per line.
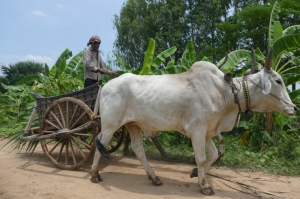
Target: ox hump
(206, 68)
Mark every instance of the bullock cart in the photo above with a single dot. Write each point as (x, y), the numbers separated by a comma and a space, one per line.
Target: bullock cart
(67, 127)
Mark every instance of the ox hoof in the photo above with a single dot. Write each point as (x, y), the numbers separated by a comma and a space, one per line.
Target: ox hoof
(194, 173)
(96, 179)
(156, 181)
(207, 191)
(220, 155)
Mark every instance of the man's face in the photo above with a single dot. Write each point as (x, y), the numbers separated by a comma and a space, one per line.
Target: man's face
(95, 45)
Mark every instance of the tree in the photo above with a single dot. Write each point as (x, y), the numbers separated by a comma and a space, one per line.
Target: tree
(202, 18)
(3, 80)
(169, 23)
(14, 72)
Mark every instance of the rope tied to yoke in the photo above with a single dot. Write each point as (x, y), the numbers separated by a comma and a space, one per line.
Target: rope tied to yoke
(246, 94)
(235, 91)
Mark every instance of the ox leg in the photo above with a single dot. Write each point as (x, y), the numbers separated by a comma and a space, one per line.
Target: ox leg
(220, 145)
(94, 170)
(212, 154)
(104, 137)
(96, 178)
(199, 145)
(137, 146)
(211, 158)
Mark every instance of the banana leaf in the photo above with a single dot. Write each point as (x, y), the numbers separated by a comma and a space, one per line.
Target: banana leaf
(191, 51)
(61, 69)
(47, 70)
(291, 30)
(14, 88)
(290, 78)
(294, 94)
(161, 57)
(277, 31)
(172, 70)
(185, 59)
(236, 57)
(286, 44)
(74, 62)
(293, 63)
(148, 58)
(29, 79)
(274, 17)
(65, 55)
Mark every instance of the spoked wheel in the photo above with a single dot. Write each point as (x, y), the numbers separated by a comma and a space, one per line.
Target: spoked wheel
(116, 140)
(68, 151)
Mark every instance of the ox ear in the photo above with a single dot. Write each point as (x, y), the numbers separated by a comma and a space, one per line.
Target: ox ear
(266, 84)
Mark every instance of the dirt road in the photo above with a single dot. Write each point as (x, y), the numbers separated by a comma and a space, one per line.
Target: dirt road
(33, 176)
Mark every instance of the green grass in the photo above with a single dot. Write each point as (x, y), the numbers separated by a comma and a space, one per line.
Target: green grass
(236, 157)
(270, 160)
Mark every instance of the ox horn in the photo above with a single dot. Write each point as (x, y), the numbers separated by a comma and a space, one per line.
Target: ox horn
(269, 60)
(225, 60)
(253, 62)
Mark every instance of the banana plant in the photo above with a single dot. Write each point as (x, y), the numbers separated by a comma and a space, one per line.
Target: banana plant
(15, 108)
(284, 43)
(15, 101)
(151, 64)
(186, 61)
(63, 77)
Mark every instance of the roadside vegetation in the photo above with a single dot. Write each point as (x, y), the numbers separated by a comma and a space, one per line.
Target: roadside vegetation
(267, 141)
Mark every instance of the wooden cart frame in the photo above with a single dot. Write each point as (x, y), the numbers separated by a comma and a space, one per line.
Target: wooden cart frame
(68, 125)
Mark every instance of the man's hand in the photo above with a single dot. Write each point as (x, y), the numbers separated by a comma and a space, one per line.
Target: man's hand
(101, 71)
(113, 73)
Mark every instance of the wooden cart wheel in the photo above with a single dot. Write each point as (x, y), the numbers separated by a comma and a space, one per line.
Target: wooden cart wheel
(68, 151)
(116, 140)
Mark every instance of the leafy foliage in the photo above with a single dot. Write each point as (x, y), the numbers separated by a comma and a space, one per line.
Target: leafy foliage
(14, 72)
(208, 29)
(62, 78)
(18, 102)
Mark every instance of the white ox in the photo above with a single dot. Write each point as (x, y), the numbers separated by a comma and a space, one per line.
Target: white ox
(198, 103)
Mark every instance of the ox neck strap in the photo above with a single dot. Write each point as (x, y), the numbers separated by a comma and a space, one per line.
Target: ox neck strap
(235, 91)
(246, 94)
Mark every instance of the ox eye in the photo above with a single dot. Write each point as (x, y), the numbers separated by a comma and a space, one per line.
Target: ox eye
(278, 82)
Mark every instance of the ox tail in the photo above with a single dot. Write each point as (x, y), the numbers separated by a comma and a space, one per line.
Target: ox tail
(101, 148)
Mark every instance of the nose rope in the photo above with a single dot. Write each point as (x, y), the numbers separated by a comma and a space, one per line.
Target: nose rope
(293, 105)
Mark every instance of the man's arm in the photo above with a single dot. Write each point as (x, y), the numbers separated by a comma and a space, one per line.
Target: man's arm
(104, 70)
(87, 60)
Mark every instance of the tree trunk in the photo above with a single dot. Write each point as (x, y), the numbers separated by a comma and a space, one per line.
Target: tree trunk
(293, 87)
(269, 123)
(126, 146)
(154, 140)
(159, 147)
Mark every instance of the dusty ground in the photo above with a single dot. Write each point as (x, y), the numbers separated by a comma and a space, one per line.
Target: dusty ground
(33, 176)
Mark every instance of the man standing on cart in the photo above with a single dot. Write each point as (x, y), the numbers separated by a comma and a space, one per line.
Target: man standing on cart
(93, 64)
